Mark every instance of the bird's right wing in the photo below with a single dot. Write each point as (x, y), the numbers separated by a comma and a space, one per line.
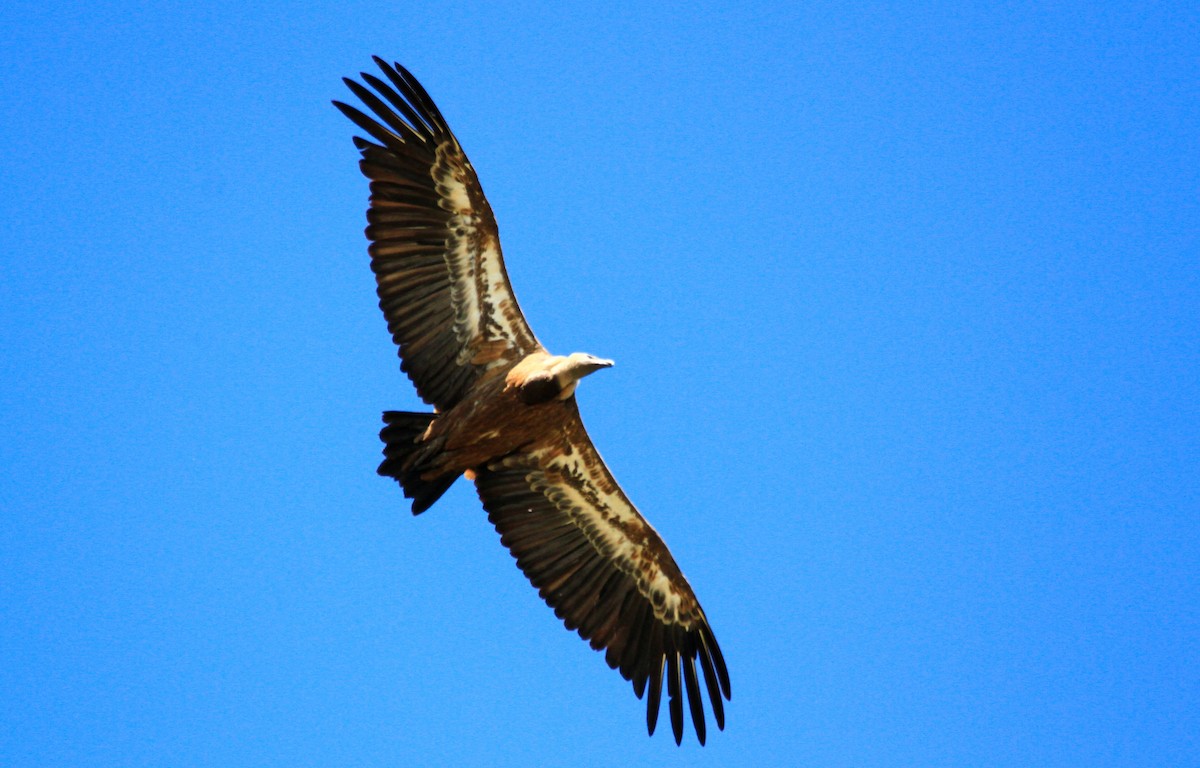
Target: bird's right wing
(435, 248)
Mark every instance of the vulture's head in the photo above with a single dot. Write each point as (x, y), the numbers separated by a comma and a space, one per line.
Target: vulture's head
(579, 364)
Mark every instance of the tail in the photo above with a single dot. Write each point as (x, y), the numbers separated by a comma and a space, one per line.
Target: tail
(403, 459)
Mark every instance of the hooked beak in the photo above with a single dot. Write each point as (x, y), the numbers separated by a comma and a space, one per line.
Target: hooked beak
(593, 364)
(597, 363)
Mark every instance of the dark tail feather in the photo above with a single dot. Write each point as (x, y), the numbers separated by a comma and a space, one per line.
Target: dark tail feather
(401, 442)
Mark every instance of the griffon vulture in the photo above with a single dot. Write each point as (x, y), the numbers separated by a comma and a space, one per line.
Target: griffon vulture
(505, 413)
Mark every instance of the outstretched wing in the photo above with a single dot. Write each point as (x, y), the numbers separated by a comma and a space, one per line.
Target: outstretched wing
(435, 249)
(606, 573)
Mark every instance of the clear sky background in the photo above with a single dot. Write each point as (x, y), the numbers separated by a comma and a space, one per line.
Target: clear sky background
(905, 304)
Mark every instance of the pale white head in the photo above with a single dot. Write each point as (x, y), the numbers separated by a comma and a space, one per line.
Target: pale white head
(568, 370)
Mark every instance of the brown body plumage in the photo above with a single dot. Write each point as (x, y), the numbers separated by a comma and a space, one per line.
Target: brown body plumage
(507, 410)
(506, 415)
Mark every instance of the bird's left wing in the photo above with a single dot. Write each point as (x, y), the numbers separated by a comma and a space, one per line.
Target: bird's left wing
(606, 573)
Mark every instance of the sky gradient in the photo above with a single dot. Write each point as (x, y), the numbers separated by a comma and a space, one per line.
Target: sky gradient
(905, 307)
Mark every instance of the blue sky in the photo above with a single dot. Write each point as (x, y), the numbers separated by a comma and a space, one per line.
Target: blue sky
(906, 313)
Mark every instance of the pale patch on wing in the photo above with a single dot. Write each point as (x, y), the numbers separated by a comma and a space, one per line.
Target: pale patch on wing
(487, 322)
(580, 486)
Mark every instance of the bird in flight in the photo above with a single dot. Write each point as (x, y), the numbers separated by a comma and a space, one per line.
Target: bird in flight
(505, 413)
